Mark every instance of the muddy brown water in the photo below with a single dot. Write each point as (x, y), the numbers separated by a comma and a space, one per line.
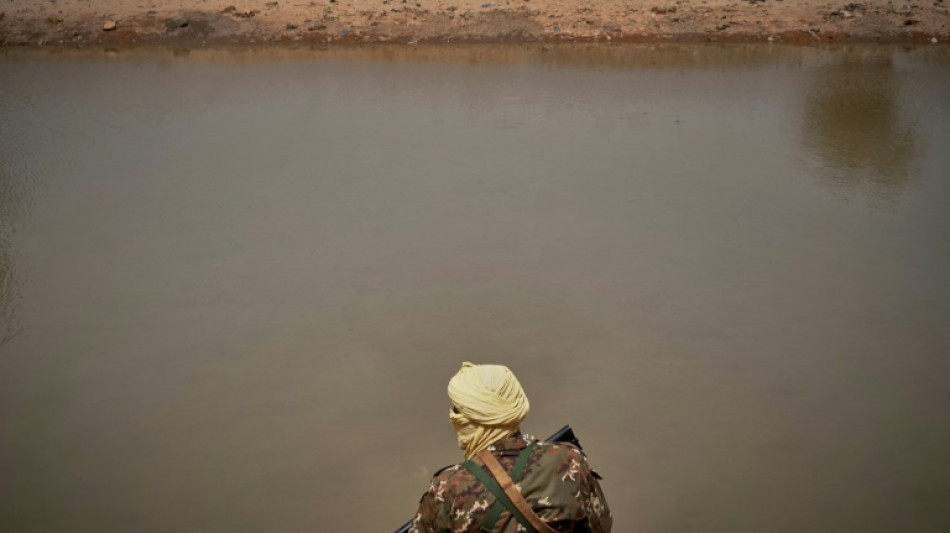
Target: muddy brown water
(234, 283)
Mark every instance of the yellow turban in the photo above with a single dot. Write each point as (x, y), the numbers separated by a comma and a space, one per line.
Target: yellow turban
(488, 403)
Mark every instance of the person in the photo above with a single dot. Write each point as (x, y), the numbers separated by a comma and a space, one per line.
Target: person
(488, 406)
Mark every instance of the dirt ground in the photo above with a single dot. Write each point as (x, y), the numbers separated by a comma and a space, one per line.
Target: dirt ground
(197, 22)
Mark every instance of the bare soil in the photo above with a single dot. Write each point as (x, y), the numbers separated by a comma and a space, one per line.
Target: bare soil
(197, 22)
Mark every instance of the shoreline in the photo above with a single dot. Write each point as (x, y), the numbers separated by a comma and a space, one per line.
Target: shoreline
(78, 23)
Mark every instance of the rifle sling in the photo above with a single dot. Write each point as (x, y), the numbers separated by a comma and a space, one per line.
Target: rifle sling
(499, 494)
(491, 519)
(508, 486)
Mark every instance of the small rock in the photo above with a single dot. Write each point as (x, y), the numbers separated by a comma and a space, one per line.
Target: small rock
(291, 26)
(177, 22)
(318, 27)
(271, 4)
(108, 25)
(934, 40)
(229, 9)
(486, 6)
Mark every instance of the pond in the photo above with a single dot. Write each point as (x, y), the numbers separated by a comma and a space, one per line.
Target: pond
(235, 282)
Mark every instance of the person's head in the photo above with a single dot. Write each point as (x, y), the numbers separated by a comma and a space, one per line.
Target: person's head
(488, 403)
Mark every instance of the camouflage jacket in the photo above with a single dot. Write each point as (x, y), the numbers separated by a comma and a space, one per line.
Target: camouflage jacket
(557, 482)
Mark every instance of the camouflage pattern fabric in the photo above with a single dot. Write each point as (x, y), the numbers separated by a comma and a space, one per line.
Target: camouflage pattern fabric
(557, 483)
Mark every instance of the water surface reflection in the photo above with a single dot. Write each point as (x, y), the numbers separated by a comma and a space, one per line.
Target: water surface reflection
(854, 122)
(17, 185)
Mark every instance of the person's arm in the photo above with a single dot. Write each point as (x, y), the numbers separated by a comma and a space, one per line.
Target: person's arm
(433, 516)
(599, 519)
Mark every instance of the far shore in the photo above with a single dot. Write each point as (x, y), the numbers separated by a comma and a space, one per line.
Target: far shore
(78, 23)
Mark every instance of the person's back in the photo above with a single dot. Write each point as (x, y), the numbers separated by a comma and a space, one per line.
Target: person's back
(554, 478)
(556, 481)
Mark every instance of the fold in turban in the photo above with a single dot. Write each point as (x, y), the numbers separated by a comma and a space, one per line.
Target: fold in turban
(488, 403)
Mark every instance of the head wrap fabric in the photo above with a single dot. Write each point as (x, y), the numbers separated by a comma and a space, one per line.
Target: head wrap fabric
(488, 403)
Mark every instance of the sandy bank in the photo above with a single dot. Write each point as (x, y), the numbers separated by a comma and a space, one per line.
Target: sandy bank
(194, 22)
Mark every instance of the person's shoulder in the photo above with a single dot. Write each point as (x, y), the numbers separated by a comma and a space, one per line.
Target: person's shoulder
(454, 478)
(563, 451)
(447, 473)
